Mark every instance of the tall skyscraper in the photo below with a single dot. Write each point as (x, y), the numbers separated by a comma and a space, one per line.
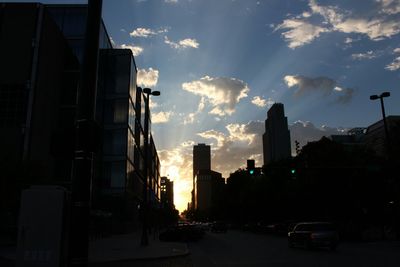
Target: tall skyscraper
(276, 139)
(201, 158)
(201, 161)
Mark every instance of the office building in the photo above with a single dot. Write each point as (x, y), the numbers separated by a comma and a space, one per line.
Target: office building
(201, 161)
(41, 50)
(276, 139)
(208, 192)
(167, 193)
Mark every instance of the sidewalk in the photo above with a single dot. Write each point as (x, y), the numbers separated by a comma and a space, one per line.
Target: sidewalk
(127, 247)
(119, 248)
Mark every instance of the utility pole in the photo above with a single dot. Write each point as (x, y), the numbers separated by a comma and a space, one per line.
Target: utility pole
(82, 170)
(148, 92)
(387, 136)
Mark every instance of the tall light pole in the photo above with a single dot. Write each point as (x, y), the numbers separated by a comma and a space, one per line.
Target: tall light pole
(147, 92)
(380, 97)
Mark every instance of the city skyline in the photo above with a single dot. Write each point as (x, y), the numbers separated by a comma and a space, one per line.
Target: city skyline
(221, 64)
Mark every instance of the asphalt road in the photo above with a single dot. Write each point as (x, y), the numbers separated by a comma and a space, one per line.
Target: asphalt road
(237, 248)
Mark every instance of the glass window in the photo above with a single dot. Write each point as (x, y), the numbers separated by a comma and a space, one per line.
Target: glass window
(142, 110)
(131, 147)
(122, 68)
(114, 142)
(132, 84)
(115, 111)
(77, 46)
(131, 121)
(58, 16)
(118, 174)
(75, 22)
(120, 111)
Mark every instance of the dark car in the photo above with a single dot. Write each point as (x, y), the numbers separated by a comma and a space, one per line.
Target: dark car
(313, 234)
(219, 227)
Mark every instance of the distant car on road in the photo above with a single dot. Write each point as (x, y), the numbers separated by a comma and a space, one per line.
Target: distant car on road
(313, 234)
(183, 232)
(219, 227)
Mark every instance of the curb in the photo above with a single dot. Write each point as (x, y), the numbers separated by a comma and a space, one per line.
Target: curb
(184, 254)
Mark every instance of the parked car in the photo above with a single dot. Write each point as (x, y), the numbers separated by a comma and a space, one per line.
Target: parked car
(313, 234)
(219, 227)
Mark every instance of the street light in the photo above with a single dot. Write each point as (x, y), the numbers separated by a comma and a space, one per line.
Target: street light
(148, 92)
(381, 96)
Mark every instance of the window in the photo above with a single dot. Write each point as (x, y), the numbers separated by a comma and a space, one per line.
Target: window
(116, 111)
(114, 174)
(75, 22)
(115, 142)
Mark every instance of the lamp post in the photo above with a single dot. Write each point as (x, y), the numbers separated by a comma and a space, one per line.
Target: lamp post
(147, 92)
(380, 97)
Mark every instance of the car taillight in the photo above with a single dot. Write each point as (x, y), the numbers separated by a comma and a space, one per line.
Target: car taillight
(312, 236)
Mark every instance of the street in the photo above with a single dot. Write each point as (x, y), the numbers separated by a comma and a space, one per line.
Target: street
(237, 248)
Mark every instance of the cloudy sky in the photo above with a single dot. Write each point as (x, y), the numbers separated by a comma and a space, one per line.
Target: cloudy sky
(220, 64)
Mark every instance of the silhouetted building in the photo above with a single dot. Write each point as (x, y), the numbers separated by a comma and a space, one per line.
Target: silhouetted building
(167, 193)
(375, 136)
(276, 139)
(201, 161)
(208, 192)
(41, 49)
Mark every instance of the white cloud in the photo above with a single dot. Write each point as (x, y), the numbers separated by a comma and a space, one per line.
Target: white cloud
(136, 50)
(348, 40)
(260, 102)
(185, 43)
(395, 65)
(190, 118)
(368, 55)
(221, 92)
(145, 32)
(161, 117)
(299, 32)
(302, 31)
(325, 85)
(390, 6)
(375, 29)
(396, 50)
(171, 1)
(147, 78)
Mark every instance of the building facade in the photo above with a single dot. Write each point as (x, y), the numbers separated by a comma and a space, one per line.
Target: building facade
(201, 161)
(276, 139)
(41, 52)
(208, 192)
(167, 193)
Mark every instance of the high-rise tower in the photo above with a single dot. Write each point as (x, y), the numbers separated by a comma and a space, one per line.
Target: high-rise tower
(276, 139)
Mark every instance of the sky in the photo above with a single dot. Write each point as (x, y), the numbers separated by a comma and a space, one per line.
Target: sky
(220, 64)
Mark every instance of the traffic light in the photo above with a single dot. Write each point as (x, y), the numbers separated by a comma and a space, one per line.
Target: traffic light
(293, 172)
(251, 166)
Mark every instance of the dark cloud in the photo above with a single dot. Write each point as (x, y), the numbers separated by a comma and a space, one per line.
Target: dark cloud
(325, 85)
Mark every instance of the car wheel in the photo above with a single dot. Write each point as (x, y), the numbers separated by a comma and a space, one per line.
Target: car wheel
(290, 244)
